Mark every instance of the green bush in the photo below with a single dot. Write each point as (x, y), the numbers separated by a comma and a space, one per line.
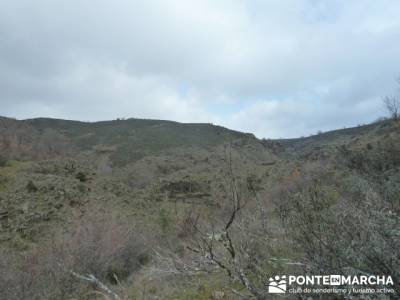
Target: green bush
(3, 161)
(82, 177)
(31, 187)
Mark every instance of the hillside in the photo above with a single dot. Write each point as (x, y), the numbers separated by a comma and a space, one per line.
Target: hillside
(83, 188)
(126, 140)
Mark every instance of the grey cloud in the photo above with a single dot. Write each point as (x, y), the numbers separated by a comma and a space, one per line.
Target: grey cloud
(282, 68)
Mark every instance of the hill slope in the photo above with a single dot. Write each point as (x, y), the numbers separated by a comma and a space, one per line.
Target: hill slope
(74, 192)
(128, 140)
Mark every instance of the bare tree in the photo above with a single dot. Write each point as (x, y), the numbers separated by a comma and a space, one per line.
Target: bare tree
(236, 243)
(392, 103)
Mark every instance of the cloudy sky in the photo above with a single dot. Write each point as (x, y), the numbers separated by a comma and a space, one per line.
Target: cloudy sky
(275, 68)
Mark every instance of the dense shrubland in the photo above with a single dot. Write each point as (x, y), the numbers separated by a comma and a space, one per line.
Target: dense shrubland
(202, 224)
(343, 214)
(97, 245)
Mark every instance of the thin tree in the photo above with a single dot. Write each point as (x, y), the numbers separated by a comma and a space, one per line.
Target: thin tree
(392, 103)
(228, 244)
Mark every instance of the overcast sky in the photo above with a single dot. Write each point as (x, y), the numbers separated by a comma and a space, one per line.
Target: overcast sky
(275, 68)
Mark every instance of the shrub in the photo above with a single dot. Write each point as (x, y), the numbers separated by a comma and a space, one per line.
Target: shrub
(341, 226)
(97, 244)
(31, 187)
(100, 245)
(3, 160)
(380, 158)
(82, 177)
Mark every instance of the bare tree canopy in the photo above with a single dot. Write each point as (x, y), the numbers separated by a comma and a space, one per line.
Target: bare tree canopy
(392, 103)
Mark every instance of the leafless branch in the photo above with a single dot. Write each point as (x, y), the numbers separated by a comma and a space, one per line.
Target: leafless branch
(392, 105)
(97, 283)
